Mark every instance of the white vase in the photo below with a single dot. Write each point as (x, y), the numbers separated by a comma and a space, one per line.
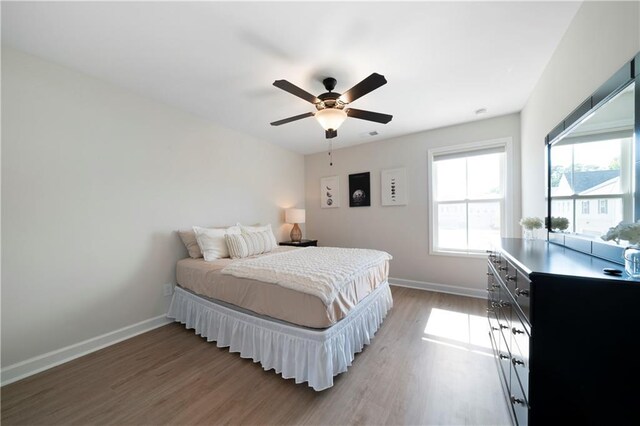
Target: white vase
(632, 261)
(528, 234)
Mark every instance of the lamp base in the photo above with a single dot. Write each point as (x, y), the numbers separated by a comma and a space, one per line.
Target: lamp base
(296, 233)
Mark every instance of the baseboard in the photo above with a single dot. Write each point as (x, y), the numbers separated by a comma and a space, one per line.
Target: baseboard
(440, 288)
(31, 366)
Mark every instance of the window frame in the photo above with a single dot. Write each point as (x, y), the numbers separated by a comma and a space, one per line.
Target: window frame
(626, 186)
(506, 221)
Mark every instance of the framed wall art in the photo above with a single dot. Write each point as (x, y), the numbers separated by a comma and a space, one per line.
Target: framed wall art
(360, 190)
(393, 187)
(330, 192)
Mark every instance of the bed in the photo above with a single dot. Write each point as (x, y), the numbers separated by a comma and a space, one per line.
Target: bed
(265, 309)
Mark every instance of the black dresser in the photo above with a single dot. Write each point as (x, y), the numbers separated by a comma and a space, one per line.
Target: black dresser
(565, 335)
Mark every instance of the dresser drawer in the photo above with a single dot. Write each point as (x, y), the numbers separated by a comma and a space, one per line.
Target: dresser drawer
(502, 266)
(519, 404)
(503, 314)
(494, 329)
(518, 284)
(522, 294)
(492, 281)
(520, 333)
(519, 369)
(495, 258)
(504, 358)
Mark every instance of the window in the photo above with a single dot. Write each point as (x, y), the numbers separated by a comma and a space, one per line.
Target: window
(468, 190)
(593, 172)
(603, 206)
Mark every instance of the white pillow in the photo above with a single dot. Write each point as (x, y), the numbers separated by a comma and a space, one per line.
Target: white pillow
(212, 242)
(248, 244)
(261, 228)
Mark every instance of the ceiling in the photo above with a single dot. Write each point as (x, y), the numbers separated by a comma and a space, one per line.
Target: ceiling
(218, 60)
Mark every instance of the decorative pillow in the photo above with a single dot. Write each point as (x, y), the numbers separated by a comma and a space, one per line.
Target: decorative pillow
(212, 243)
(188, 238)
(263, 228)
(248, 244)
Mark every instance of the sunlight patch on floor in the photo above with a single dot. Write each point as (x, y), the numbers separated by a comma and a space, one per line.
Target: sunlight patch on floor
(458, 330)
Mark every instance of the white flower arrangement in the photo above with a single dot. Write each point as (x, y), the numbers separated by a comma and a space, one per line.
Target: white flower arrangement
(624, 231)
(531, 223)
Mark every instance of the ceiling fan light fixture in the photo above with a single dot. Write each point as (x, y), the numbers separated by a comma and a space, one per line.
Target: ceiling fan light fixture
(331, 118)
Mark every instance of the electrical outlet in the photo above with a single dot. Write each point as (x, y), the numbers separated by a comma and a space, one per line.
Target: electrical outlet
(168, 289)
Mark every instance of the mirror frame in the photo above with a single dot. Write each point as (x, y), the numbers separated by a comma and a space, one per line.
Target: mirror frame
(626, 75)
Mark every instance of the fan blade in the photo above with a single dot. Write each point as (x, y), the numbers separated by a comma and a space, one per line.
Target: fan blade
(330, 134)
(290, 119)
(295, 90)
(367, 85)
(369, 115)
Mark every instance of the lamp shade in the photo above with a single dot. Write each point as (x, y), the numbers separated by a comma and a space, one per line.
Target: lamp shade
(331, 118)
(294, 215)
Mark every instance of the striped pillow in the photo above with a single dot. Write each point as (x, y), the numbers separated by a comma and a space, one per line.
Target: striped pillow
(265, 228)
(250, 244)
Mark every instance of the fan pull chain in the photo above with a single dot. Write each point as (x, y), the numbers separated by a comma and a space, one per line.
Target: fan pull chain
(330, 156)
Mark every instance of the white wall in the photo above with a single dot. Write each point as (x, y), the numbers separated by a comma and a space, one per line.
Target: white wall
(602, 37)
(403, 231)
(95, 180)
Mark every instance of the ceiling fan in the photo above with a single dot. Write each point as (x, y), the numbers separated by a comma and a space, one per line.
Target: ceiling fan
(332, 107)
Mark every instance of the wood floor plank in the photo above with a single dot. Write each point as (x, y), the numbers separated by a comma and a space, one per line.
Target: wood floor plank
(428, 364)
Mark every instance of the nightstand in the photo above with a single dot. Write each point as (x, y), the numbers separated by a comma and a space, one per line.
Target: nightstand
(303, 243)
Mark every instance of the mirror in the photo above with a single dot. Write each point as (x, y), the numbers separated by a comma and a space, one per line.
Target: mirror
(591, 170)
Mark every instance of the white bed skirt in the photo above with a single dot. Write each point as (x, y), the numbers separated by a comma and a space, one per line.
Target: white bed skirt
(303, 354)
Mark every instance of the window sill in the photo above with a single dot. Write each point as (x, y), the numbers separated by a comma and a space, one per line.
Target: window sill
(452, 253)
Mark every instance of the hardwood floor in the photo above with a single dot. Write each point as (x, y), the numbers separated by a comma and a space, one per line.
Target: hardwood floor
(428, 364)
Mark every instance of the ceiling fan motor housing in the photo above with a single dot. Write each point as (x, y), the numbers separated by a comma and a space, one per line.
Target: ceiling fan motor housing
(329, 100)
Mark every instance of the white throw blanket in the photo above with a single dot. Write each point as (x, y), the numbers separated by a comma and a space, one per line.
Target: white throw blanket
(319, 271)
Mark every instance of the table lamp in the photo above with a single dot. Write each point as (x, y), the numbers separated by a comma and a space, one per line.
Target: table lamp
(295, 216)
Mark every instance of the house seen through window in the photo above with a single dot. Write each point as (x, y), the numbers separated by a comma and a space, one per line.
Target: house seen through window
(588, 185)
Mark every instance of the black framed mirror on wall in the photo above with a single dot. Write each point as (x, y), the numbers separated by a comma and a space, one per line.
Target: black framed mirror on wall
(593, 167)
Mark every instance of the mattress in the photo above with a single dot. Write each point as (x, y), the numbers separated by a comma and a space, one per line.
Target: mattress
(206, 279)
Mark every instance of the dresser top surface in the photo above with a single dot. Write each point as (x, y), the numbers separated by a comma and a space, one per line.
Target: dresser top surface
(541, 257)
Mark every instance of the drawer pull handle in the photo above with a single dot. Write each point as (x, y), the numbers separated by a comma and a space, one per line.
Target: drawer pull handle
(516, 361)
(503, 356)
(510, 278)
(502, 303)
(490, 274)
(502, 268)
(522, 292)
(494, 328)
(515, 400)
(516, 331)
(502, 326)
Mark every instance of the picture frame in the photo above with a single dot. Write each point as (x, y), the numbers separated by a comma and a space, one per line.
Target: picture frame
(393, 187)
(330, 192)
(360, 190)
